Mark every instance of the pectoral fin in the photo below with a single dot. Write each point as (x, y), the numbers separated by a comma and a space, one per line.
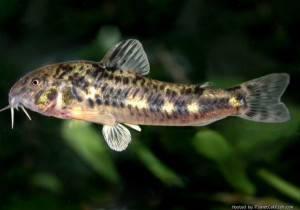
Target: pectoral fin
(117, 136)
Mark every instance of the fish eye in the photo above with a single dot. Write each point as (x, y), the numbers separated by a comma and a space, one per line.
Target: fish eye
(35, 82)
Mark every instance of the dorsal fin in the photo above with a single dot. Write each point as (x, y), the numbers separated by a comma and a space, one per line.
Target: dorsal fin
(127, 55)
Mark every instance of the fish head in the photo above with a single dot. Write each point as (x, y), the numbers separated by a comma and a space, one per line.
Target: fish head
(36, 91)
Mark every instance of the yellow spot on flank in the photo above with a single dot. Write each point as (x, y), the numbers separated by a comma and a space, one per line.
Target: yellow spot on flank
(193, 107)
(59, 101)
(233, 102)
(168, 107)
(140, 104)
(91, 92)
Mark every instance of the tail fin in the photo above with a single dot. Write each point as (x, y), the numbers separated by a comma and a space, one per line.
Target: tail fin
(262, 99)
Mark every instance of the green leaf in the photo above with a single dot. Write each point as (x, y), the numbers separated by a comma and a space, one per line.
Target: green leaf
(234, 172)
(158, 169)
(280, 184)
(215, 147)
(212, 145)
(47, 181)
(88, 143)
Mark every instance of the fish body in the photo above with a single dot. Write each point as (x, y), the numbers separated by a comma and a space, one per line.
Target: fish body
(115, 91)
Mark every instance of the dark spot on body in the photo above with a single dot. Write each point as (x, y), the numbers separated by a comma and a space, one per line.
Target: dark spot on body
(162, 87)
(125, 80)
(138, 111)
(155, 102)
(198, 90)
(75, 94)
(174, 114)
(91, 103)
(188, 90)
(88, 72)
(237, 87)
(118, 92)
(168, 92)
(67, 67)
(134, 81)
(122, 105)
(125, 93)
(173, 94)
(155, 87)
(96, 65)
(138, 78)
(135, 92)
(150, 97)
(57, 71)
(112, 67)
(223, 101)
(117, 79)
(145, 112)
(111, 90)
(81, 79)
(111, 76)
(130, 109)
(37, 96)
(76, 74)
(105, 75)
(181, 107)
(103, 88)
(61, 76)
(98, 102)
(71, 78)
(52, 94)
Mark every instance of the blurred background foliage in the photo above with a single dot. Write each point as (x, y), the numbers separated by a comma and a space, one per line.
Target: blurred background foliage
(49, 163)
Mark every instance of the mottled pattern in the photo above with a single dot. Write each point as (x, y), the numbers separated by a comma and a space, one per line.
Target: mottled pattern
(130, 97)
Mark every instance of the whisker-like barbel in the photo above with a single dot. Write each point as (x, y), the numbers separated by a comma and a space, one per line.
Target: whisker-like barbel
(12, 117)
(12, 113)
(24, 110)
(5, 108)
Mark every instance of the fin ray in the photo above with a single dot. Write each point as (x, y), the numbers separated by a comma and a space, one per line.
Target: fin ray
(117, 136)
(263, 99)
(135, 127)
(127, 55)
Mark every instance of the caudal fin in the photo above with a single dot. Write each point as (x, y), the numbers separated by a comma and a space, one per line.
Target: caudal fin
(262, 98)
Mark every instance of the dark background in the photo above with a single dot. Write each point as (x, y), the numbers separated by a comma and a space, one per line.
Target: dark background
(49, 163)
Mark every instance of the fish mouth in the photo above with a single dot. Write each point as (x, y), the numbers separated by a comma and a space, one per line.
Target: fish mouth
(15, 105)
